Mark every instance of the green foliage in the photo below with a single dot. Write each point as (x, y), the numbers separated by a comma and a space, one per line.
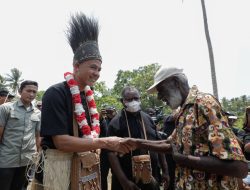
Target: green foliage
(237, 106)
(39, 95)
(104, 96)
(2, 82)
(239, 122)
(142, 79)
(14, 79)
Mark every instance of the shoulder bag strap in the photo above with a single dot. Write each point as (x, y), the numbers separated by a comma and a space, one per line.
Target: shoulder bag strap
(74, 175)
(75, 126)
(129, 132)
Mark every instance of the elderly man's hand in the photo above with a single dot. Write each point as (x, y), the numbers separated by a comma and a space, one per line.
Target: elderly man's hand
(120, 145)
(165, 180)
(129, 185)
(175, 153)
(131, 143)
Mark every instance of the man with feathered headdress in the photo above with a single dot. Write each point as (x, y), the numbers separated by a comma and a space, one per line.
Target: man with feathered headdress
(73, 100)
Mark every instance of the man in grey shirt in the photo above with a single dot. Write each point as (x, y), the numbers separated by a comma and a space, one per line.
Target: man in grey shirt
(19, 136)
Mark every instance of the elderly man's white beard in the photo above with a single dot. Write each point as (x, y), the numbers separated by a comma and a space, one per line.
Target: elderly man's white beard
(175, 99)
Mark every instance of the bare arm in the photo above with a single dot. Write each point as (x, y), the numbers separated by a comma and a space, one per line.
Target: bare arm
(157, 145)
(116, 168)
(247, 147)
(163, 163)
(38, 141)
(164, 166)
(211, 164)
(68, 143)
(1, 133)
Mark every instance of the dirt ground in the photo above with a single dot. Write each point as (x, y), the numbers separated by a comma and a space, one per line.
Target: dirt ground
(109, 183)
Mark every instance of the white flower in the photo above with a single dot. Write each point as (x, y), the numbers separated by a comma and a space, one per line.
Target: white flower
(79, 109)
(74, 90)
(94, 134)
(69, 77)
(89, 98)
(95, 122)
(83, 122)
(87, 88)
(92, 111)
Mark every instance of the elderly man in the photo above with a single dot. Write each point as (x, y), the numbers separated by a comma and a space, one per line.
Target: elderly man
(205, 150)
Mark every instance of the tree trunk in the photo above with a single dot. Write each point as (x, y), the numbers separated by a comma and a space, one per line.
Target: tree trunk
(210, 50)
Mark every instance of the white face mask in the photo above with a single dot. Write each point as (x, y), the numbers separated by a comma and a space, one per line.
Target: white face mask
(133, 106)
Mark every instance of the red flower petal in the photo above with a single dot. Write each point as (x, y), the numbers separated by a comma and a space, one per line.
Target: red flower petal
(86, 130)
(97, 129)
(72, 82)
(89, 93)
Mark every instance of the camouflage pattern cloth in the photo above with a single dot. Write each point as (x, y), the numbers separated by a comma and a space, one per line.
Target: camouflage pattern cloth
(202, 130)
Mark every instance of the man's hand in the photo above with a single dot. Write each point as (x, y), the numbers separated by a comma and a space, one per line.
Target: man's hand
(178, 157)
(165, 180)
(169, 139)
(129, 185)
(130, 142)
(118, 144)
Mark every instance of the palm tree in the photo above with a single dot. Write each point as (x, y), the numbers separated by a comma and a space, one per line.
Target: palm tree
(14, 80)
(2, 82)
(210, 50)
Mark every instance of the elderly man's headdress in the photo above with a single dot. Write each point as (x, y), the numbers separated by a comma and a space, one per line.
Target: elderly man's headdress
(82, 36)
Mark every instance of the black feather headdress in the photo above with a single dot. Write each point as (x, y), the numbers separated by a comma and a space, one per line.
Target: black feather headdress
(82, 36)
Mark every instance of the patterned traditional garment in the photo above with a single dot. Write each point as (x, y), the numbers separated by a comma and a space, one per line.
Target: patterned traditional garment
(202, 130)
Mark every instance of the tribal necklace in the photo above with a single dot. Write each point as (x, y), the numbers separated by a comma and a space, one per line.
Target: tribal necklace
(80, 114)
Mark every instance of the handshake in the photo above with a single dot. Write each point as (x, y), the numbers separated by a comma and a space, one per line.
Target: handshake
(121, 145)
(125, 145)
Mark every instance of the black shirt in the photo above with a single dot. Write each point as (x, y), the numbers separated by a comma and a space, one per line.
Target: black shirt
(118, 127)
(57, 113)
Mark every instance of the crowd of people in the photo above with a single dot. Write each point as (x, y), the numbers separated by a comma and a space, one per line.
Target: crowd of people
(196, 148)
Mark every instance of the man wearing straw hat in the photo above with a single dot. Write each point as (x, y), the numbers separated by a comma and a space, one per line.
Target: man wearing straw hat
(206, 152)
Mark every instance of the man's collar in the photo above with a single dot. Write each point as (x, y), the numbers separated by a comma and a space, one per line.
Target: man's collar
(191, 98)
(20, 103)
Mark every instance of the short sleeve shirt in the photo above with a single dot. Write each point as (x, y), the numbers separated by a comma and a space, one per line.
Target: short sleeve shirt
(203, 130)
(20, 128)
(57, 117)
(57, 113)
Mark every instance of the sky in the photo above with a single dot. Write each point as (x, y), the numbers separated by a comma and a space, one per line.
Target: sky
(133, 33)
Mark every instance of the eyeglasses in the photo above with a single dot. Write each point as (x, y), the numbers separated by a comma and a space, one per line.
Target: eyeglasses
(131, 99)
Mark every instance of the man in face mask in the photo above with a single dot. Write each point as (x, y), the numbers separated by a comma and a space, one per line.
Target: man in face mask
(131, 122)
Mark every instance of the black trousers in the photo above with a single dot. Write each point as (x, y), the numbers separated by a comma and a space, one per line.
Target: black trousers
(12, 178)
(117, 186)
(104, 169)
